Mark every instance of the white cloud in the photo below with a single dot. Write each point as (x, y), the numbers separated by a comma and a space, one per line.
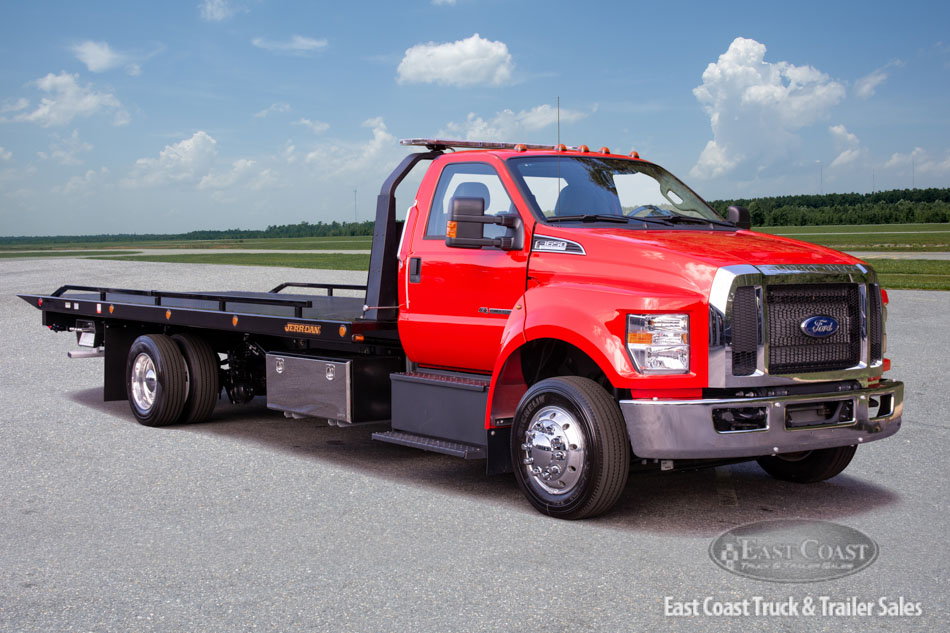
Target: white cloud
(66, 150)
(317, 127)
(274, 107)
(508, 125)
(467, 62)
(296, 45)
(100, 57)
(224, 180)
(216, 10)
(66, 100)
(82, 185)
(5, 154)
(189, 160)
(755, 107)
(921, 161)
(14, 106)
(867, 85)
(847, 145)
(337, 158)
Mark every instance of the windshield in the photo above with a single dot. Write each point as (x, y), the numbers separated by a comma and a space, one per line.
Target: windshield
(573, 187)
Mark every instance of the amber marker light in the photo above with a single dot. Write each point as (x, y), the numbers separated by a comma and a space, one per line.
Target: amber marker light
(521, 147)
(168, 314)
(111, 309)
(583, 149)
(451, 229)
(634, 154)
(342, 330)
(639, 338)
(358, 338)
(234, 320)
(561, 148)
(604, 150)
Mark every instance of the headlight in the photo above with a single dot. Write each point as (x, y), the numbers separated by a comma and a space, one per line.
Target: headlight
(659, 343)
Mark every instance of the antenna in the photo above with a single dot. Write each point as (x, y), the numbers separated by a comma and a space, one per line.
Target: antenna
(559, 119)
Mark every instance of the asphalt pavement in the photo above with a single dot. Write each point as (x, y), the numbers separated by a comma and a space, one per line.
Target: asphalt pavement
(252, 522)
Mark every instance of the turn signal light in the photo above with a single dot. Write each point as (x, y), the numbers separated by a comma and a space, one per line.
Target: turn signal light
(639, 338)
(451, 229)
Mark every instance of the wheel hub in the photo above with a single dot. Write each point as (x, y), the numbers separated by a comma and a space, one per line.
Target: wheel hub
(144, 382)
(553, 451)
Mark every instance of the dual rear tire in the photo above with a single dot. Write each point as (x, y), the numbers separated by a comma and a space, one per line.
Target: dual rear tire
(171, 379)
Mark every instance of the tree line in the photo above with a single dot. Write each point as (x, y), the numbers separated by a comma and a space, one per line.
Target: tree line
(897, 206)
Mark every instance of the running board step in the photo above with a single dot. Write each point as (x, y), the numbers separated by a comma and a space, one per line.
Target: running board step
(426, 443)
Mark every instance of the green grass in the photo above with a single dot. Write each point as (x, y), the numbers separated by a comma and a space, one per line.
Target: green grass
(9, 255)
(331, 261)
(303, 243)
(913, 274)
(870, 237)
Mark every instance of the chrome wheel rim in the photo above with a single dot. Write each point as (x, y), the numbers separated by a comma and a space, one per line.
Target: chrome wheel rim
(553, 451)
(144, 382)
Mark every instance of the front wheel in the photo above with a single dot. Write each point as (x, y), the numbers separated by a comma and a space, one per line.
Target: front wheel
(808, 467)
(155, 376)
(569, 448)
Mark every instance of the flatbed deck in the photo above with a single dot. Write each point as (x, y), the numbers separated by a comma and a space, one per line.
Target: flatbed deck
(274, 313)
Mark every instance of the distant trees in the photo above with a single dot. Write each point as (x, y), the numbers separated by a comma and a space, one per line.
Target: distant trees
(899, 206)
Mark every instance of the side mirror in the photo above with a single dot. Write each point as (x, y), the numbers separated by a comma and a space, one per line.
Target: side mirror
(466, 226)
(740, 217)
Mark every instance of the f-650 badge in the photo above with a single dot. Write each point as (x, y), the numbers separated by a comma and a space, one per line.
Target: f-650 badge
(820, 326)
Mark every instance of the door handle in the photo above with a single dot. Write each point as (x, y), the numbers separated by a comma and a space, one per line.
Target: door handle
(415, 270)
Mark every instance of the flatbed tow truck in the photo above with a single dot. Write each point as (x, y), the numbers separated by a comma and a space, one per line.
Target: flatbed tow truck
(564, 314)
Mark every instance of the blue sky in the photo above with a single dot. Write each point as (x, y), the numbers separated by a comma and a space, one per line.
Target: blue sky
(140, 117)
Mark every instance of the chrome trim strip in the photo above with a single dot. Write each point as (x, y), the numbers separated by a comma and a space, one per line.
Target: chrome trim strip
(683, 429)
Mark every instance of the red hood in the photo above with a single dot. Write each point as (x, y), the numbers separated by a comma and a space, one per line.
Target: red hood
(671, 261)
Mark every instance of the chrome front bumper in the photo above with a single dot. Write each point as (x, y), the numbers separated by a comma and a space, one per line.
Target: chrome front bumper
(683, 429)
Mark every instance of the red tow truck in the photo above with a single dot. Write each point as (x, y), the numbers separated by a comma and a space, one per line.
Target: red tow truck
(565, 314)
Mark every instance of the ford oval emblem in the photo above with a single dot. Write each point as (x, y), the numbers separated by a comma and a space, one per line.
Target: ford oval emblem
(820, 326)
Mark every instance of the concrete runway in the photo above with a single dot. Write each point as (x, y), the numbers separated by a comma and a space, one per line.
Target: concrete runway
(252, 522)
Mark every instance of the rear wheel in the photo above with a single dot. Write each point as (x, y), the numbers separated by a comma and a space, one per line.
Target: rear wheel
(155, 378)
(808, 467)
(569, 448)
(203, 385)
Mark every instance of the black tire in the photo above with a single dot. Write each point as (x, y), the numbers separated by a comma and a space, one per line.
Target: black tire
(808, 467)
(155, 380)
(203, 385)
(573, 424)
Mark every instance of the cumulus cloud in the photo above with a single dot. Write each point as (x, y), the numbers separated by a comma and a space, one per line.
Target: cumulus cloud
(467, 62)
(920, 160)
(66, 150)
(337, 158)
(216, 10)
(189, 161)
(14, 106)
(240, 170)
(82, 185)
(508, 125)
(755, 107)
(65, 100)
(847, 145)
(274, 107)
(296, 45)
(866, 86)
(317, 127)
(100, 57)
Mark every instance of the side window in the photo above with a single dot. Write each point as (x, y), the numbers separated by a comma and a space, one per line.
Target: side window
(467, 180)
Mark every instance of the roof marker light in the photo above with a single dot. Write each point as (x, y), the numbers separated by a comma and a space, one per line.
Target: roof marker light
(583, 149)
(561, 147)
(634, 154)
(604, 150)
(521, 147)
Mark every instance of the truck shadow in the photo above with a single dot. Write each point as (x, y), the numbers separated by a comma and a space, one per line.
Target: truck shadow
(687, 503)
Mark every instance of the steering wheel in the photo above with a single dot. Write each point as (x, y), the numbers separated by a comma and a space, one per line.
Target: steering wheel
(653, 211)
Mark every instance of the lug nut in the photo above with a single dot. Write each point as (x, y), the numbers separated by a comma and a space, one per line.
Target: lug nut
(527, 461)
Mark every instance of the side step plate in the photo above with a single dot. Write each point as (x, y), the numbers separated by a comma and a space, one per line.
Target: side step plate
(447, 447)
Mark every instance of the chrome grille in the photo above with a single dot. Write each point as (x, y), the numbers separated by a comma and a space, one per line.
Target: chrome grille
(875, 318)
(790, 349)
